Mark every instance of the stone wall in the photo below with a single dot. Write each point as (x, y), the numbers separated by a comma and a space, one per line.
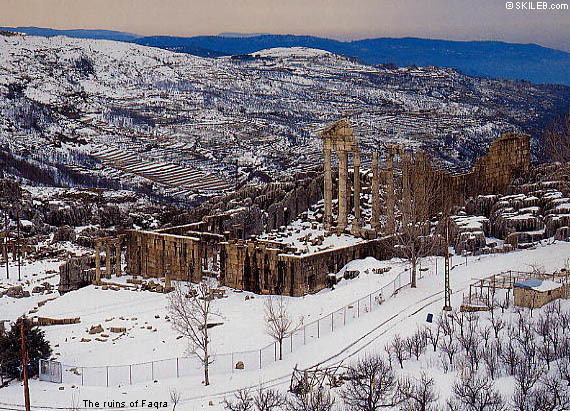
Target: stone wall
(75, 273)
(507, 158)
(264, 267)
(169, 256)
(525, 297)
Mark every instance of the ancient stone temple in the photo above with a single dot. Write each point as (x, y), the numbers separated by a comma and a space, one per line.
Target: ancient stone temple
(267, 263)
(339, 137)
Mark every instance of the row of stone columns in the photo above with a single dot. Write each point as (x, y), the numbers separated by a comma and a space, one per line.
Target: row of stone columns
(116, 244)
(343, 191)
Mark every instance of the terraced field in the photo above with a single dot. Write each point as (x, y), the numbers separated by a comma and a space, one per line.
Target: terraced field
(186, 180)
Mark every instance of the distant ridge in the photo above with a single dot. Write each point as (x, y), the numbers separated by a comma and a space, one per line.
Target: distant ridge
(77, 33)
(480, 58)
(242, 35)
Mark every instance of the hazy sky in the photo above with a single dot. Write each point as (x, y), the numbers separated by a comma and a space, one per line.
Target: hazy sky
(341, 19)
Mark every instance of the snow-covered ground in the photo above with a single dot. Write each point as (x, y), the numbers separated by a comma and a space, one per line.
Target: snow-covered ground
(243, 329)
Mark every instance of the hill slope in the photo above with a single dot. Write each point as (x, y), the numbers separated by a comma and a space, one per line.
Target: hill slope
(481, 58)
(110, 110)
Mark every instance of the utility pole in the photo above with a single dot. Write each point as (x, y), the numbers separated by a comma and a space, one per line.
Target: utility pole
(6, 235)
(447, 306)
(18, 242)
(25, 365)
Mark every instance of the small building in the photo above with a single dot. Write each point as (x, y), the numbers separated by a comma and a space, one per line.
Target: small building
(534, 292)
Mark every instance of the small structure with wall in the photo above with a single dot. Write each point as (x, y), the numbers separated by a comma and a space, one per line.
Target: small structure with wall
(534, 292)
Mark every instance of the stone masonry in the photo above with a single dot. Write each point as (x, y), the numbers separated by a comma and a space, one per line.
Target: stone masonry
(212, 247)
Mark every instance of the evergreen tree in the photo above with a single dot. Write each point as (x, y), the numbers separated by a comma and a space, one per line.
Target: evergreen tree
(11, 349)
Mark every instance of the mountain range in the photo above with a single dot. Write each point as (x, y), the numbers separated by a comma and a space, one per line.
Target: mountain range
(491, 59)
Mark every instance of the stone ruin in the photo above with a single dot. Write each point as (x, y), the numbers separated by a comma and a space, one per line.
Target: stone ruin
(220, 245)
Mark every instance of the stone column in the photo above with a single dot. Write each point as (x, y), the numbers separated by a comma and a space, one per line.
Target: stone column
(107, 259)
(357, 212)
(168, 264)
(342, 186)
(97, 262)
(375, 219)
(390, 195)
(118, 246)
(197, 263)
(328, 187)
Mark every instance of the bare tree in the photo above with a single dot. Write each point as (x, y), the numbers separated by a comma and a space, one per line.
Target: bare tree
(549, 395)
(242, 401)
(278, 322)
(417, 343)
(262, 400)
(527, 373)
(268, 400)
(459, 318)
(447, 325)
(556, 140)
(449, 348)
(398, 348)
(509, 356)
(498, 324)
(418, 394)
(468, 338)
(371, 384)
(546, 353)
(317, 399)
(433, 333)
(485, 334)
(564, 369)
(420, 200)
(190, 310)
(175, 397)
(491, 360)
(475, 394)
(504, 303)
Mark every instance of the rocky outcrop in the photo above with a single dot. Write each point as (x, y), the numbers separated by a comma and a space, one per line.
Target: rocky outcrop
(10, 190)
(64, 233)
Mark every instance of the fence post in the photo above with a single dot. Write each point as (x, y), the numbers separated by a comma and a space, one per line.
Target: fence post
(260, 358)
(358, 306)
(131, 375)
(332, 322)
(344, 315)
(291, 337)
(107, 367)
(370, 302)
(81, 375)
(152, 370)
(232, 363)
(319, 328)
(178, 367)
(275, 351)
(304, 334)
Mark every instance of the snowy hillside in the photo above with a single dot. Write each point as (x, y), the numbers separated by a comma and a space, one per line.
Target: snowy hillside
(149, 336)
(101, 112)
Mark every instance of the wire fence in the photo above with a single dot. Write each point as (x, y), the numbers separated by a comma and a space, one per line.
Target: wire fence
(224, 363)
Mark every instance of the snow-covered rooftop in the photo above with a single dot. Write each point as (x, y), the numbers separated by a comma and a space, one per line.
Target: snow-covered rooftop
(538, 285)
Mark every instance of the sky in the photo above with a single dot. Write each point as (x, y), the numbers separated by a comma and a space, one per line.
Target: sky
(338, 19)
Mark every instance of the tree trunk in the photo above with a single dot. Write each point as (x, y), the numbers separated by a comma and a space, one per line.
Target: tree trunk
(413, 285)
(280, 349)
(206, 374)
(206, 356)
